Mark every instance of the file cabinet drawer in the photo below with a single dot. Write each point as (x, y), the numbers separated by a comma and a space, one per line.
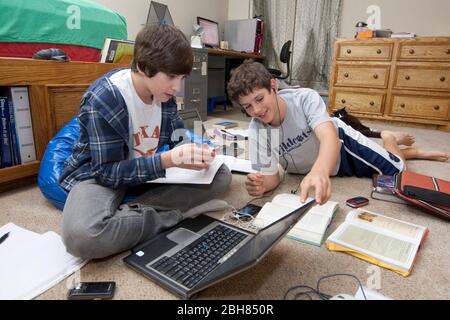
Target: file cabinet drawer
(422, 78)
(362, 76)
(381, 51)
(359, 102)
(421, 107)
(436, 52)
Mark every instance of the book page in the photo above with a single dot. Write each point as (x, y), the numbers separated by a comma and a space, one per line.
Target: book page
(376, 244)
(269, 213)
(188, 176)
(383, 223)
(313, 222)
(327, 209)
(273, 211)
(290, 200)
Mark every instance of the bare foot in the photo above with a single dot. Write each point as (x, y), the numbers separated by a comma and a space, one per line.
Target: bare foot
(402, 138)
(427, 155)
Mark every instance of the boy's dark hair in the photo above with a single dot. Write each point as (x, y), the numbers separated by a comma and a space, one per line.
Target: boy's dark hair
(249, 76)
(162, 48)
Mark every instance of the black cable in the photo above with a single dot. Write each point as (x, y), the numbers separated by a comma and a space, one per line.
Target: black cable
(284, 153)
(317, 291)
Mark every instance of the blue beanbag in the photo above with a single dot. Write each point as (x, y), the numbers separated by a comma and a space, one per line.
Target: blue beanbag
(52, 163)
(56, 153)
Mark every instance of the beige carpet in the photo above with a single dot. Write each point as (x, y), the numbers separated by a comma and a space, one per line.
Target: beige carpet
(290, 263)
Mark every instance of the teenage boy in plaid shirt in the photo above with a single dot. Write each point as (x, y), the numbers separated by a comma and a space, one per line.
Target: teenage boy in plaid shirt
(125, 117)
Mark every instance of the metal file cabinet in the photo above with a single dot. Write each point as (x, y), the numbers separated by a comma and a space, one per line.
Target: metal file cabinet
(196, 84)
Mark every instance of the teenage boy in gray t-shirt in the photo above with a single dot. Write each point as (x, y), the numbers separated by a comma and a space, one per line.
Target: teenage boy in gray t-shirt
(292, 128)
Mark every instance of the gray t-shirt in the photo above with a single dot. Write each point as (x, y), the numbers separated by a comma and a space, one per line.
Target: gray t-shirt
(294, 144)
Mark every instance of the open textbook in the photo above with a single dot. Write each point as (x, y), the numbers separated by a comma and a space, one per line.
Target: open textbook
(381, 240)
(188, 176)
(310, 228)
(32, 263)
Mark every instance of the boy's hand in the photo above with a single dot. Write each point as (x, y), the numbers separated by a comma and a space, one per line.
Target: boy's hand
(189, 156)
(255, 184)
(320, 182)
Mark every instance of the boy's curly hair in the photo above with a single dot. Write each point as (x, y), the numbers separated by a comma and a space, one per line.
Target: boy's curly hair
(162, 48)
(249, 76)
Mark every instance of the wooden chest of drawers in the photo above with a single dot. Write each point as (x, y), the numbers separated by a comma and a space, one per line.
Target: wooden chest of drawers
(405, 80)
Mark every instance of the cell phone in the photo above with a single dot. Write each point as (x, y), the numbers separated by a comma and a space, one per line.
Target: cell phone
(92, 290)
(357, 202)
(247, 212)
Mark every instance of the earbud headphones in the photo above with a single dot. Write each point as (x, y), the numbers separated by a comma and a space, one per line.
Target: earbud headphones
(293, 191)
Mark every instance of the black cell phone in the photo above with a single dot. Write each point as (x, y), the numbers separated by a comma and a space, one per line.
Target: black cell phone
(92, 290)
(247, 212)
(357, 202)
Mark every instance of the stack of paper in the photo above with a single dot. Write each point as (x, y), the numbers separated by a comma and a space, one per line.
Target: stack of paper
(32, 263)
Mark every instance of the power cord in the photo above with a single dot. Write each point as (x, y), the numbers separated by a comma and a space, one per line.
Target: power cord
(322, 295)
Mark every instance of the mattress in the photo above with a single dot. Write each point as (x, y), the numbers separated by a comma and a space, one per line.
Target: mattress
(27, 50)
(80, 23)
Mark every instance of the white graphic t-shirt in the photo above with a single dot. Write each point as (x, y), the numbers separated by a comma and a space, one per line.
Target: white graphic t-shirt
(145, 118)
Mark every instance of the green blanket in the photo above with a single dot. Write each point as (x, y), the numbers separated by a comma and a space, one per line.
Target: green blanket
(76, 22)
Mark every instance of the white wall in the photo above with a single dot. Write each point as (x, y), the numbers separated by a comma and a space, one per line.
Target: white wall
(425, 18)
(238, 9)
(184, 12)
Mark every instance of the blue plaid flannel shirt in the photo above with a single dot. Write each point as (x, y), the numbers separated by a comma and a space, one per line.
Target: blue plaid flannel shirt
(101, 151)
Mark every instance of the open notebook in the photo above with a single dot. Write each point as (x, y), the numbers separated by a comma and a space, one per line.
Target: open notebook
(32, 263)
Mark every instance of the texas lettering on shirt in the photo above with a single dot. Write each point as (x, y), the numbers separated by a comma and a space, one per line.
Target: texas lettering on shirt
(146, 141)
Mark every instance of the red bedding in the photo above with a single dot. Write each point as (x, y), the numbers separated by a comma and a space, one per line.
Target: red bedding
(26, 50)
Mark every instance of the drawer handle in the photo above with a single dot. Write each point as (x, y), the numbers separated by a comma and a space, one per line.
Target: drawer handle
(448, 51)
(411, 51)
(375, 76)
(349, 51)
(436, 108)
(372, 103)
(343, 101)
(379, 51)
(442, 79)
(407, 77)
(195, 100)
(195, 68)
(346, 75)
(402, 105)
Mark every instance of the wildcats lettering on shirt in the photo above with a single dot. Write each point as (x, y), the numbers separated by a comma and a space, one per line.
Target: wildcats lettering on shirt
(141, 142)
(295, 142)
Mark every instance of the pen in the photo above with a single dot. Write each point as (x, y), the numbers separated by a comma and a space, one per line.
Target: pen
(3, 238)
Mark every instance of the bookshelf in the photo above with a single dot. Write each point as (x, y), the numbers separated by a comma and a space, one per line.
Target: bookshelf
(54, 89)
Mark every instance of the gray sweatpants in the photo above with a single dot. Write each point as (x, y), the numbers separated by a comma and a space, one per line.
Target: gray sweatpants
(95, 225)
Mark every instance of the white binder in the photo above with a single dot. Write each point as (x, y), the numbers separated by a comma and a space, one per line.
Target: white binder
(24, 126)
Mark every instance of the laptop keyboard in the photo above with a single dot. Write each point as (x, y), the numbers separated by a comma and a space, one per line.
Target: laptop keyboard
(193, 263)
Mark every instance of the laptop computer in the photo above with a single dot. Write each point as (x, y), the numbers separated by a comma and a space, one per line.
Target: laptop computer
(202, 251)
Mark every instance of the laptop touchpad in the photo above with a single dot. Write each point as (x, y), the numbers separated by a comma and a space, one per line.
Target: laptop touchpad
(182, 235)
